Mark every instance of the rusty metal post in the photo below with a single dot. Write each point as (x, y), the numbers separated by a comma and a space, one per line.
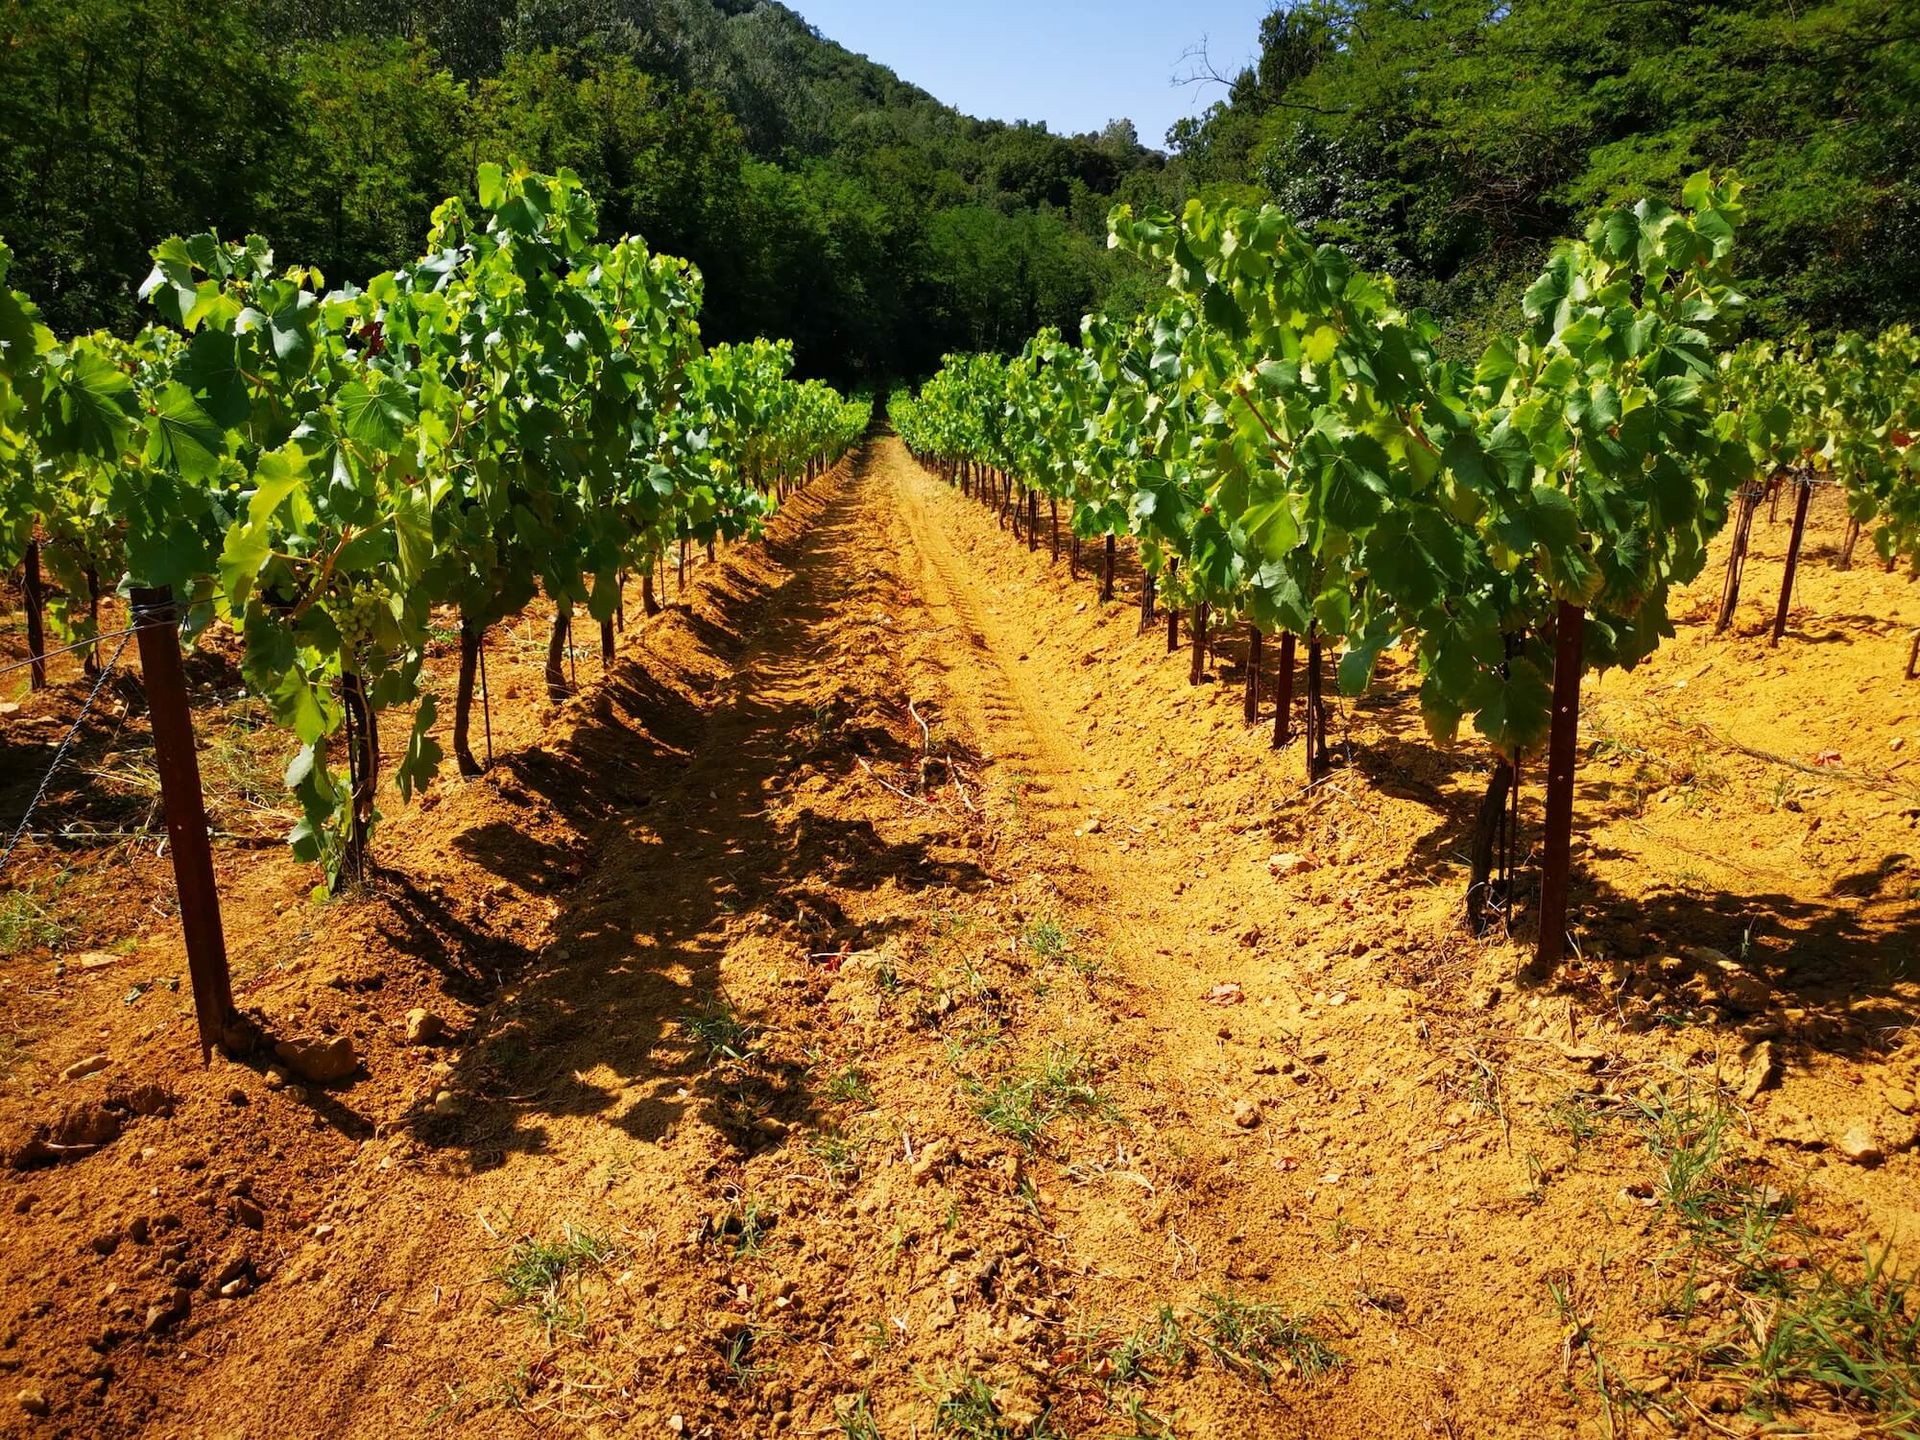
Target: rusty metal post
(165, 683)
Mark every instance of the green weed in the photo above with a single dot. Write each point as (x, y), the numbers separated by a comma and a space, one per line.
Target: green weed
(1577, 1115)
(721, 1033)
(876, 1340)
(964, 1408)
(1023, 1104)
(540, 1276)
(1854, 1337)
(824, 723)
(855, 1419)
(1152, 1352)
(1260, 1339)
(1848, 1334)
(744, 1367)
(748, 1226)
(838, 1153)
(1051, 942)
(26, 924)
(1687, 1143)
(850, 1087)
(1146, 1424)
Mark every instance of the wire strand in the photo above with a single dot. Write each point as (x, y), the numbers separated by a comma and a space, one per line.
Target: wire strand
(66, 742)
(67, 649)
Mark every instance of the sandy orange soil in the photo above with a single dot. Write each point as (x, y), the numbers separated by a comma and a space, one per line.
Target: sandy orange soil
(890, 1000)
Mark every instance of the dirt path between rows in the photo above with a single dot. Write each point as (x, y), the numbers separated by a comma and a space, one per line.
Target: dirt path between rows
(613, 1131)
(893, 1003)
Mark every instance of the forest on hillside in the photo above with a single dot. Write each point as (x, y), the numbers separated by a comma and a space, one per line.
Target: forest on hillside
(1450, 142)
(824, 199)
(829, 201)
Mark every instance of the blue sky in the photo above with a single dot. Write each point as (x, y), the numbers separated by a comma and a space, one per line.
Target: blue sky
(1073, 63)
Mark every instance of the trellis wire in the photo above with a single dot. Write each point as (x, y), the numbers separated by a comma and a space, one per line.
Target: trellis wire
(65, 649)
(60, 751)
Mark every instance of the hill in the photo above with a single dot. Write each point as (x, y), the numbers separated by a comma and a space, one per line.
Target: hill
(825, 198)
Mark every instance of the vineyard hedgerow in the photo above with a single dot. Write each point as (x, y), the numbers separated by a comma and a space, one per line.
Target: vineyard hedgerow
(1287, 447)
(1842, 414)
(524, 411)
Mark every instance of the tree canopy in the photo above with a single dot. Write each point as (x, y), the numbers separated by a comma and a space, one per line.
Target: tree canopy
(1450, 142)
(825, 199)
(1447, 144)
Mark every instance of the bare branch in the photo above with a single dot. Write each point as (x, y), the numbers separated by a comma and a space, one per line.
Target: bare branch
(1202, 70)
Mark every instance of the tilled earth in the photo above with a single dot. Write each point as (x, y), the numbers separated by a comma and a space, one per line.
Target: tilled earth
(890, 1001)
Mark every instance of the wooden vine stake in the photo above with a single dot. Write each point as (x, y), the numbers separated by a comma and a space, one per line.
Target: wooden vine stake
(1737, 556)
(1283, 700)
(1250, 701)
(472, 636)
(1318, 765)
(1562, 751)
(1793, 560)
(165, 682)
(1197, 665)
(560, 643)
(1494, 831)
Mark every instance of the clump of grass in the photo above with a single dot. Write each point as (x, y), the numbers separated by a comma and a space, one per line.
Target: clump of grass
(838, 1153)
(1146, 1424)
(1050, 941)
(1688, 1143)
(1023, 1104)
(875, 1341)
(1686, 877)
(1576, 1114)
(541, 1276)
(850, 1087)
(1152, 1352)
(855, 1419)
(964, 1408)
(823, 724)
(1847, 1335)
(1855, 1337)
(1260, 1339)
(1485, 1094)
(720, 1032)
(1018, 784)
(745, 1227)
(744, 1366)
(26, 924)
(968, 1040)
